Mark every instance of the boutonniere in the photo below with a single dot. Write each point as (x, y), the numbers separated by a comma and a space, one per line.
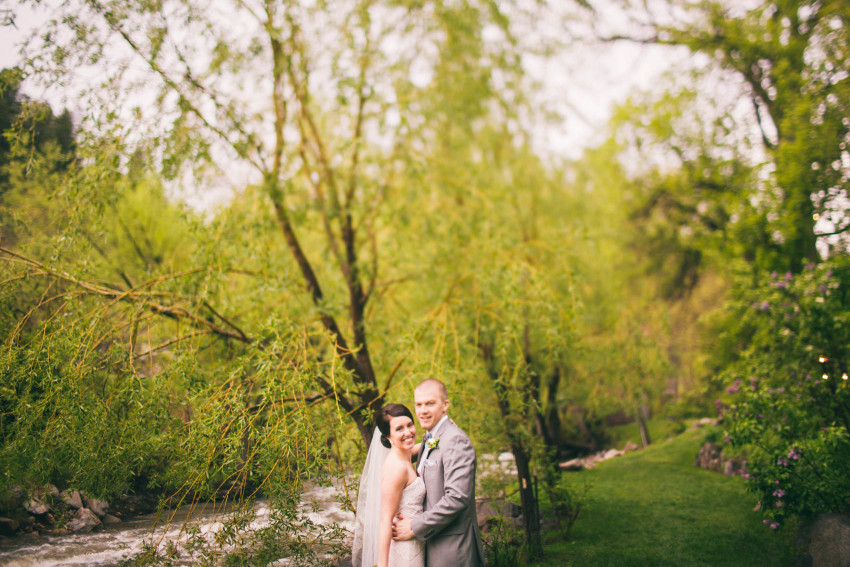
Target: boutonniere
(433, 442)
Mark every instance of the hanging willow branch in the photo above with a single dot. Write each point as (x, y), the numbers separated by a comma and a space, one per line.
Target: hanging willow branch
(143, 294)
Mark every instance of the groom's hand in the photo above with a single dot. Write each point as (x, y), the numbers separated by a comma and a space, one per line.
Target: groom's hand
(401, 528)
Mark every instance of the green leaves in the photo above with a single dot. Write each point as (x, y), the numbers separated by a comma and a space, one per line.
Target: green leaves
(791, 410)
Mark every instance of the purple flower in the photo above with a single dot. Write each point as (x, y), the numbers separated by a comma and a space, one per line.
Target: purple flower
(727, 439)
(779, 493)
(773, 275)
(829, 273)
(810, 266)
(780, 390)
(780, 284)
(792, 454)
(766, 522)
(765, 305)
(746, 475)
(823, 288)
(774, 525)
(776, 482)
(782, 462)
(789, 276)
(734, 387)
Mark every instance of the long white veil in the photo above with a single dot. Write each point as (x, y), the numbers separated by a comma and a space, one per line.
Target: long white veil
(364, 552)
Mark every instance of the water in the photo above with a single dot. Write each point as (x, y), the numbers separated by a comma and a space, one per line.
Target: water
(112, 544)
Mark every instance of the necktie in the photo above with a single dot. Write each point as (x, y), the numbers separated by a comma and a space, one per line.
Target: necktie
(423, 451)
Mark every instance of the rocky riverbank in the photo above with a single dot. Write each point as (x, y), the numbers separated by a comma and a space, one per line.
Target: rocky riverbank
(49, 511)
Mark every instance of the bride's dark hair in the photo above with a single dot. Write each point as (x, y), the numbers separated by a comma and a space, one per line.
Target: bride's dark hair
(385, 416)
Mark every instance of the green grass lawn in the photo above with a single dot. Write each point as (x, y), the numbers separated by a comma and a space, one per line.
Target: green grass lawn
(659, 430)
(654, 507)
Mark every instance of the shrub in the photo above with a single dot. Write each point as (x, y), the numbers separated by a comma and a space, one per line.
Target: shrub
(790, 402)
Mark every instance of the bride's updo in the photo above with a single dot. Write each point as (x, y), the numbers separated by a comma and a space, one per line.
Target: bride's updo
(385, 416)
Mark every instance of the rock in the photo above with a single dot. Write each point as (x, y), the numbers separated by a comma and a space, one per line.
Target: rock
(491, 507)
(72, 499)
(709, 457)
(610, 454)
(572, 465)
(506, 457)
(110, 519)
(487, 509)
(507, 462)
(830, 541)
(12, 499)
(8, 526)
(36, 507)
(631, 446)
(52, 490)
(99, 507)
(84, 521)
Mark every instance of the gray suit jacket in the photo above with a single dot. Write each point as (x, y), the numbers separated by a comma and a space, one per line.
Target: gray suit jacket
(449, 525)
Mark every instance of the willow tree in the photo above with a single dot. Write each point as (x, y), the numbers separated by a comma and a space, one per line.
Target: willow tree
(789, 61)
(312, 104)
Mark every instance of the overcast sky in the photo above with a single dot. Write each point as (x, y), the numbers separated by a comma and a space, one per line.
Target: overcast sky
(582, 84)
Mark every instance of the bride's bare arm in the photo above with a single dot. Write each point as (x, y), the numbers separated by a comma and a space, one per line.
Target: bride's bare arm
(393, 481)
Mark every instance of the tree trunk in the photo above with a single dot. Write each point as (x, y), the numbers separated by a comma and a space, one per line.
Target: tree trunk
(641, 413)
(528, 501)
(553, 418)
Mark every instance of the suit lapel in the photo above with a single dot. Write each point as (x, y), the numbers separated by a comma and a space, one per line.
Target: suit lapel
(425, 452)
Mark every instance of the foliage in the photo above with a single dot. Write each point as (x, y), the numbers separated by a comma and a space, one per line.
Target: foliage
(788, 60)
(245, 539)
(387, 219)
(503, 544)
(327, 282)
(790, 412)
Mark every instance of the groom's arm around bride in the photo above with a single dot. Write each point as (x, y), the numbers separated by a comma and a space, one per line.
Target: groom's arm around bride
(449, 525)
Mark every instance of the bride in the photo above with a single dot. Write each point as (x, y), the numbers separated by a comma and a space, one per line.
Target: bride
(389, 485)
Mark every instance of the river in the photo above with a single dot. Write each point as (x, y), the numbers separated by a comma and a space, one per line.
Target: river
(112, 544)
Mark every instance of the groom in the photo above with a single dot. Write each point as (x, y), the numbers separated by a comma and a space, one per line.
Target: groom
(449, 525)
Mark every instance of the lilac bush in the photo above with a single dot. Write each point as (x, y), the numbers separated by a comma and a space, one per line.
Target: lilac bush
(787, 404)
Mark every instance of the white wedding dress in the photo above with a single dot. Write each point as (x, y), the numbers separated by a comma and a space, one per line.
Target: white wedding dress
(410, 553)
(364, 549)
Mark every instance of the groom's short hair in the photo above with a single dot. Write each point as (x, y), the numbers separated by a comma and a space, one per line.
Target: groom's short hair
(434, 382)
